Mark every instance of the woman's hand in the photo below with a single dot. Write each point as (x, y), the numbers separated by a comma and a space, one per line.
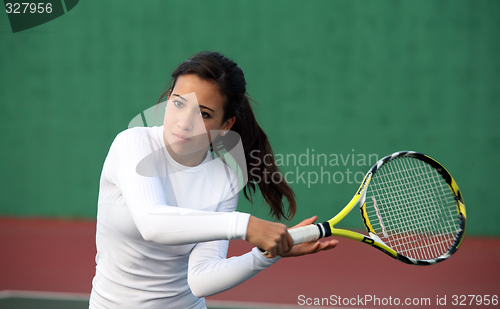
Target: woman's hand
(270, 236)
(310, 247)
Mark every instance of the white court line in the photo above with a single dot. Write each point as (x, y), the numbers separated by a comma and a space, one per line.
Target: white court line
(44, 295)
(210, 303)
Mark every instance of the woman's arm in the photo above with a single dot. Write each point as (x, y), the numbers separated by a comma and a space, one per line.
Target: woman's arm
(145, 198)
(211, 273)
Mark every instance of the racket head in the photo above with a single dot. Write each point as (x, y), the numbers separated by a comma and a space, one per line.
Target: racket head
(413, 205)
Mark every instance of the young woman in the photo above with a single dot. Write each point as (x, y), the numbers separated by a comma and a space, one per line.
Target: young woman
(167, 207)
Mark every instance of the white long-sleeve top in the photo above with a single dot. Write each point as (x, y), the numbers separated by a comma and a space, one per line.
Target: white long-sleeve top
(163, 228)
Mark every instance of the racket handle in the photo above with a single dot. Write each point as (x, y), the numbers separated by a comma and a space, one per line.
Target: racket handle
(308, 233)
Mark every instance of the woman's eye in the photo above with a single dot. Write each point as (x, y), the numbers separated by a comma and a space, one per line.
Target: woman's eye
(178, 104)
(205, 114)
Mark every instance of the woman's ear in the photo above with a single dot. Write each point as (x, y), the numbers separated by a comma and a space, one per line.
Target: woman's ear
(227, 125)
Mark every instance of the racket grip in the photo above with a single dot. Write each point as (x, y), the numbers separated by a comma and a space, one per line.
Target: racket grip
(306, 233)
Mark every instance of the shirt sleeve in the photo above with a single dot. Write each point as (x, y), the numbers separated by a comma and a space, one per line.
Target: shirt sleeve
(210, 272)
(145, 197)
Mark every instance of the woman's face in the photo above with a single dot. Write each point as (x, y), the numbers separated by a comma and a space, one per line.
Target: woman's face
(193, 118)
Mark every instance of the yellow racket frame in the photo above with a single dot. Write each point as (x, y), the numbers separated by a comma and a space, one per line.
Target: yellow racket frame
(373, 239)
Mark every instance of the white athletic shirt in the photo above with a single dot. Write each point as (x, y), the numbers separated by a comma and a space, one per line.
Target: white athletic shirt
(163, 228)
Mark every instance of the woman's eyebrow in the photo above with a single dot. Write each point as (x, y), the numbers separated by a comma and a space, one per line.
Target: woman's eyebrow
(203, 106)
(179, 97)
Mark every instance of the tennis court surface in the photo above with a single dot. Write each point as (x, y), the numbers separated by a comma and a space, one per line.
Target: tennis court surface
(51, 300)
(49, 263)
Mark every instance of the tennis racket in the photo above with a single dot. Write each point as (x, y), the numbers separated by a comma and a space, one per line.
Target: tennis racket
(411, 207)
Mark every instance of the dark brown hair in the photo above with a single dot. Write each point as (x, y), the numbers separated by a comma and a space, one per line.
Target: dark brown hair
(260, 164)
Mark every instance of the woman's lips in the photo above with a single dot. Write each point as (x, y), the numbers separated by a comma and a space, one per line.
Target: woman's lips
(181, 138)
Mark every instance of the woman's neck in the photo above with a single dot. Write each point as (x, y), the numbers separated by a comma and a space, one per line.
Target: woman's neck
(191, 160)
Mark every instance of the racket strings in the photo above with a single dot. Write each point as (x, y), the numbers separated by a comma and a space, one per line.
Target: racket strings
(412, 209)
(417, 227)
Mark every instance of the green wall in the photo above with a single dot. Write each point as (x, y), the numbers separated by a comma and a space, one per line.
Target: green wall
(330, 77)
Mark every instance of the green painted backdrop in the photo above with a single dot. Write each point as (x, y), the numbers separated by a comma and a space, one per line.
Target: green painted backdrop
(344, 78)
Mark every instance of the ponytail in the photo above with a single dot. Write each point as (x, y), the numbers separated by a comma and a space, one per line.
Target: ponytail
(261, 166)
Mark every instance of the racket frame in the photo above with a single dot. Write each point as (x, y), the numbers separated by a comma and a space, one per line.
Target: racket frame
(327, 228)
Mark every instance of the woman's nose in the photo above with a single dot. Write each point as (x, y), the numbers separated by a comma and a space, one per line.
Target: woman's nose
(189, 119)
